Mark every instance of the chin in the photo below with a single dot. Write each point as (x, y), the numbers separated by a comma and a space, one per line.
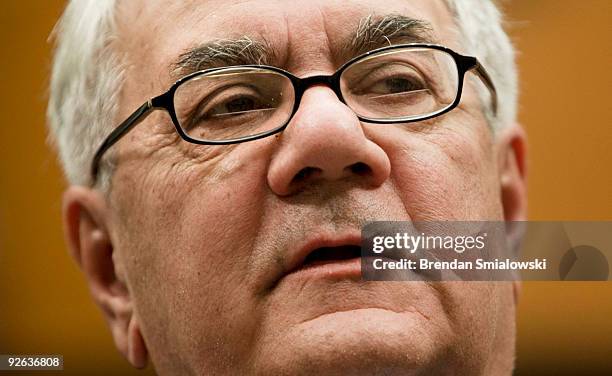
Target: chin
(365, 341)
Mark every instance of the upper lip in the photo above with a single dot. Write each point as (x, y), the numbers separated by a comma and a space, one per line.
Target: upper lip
(297, 254)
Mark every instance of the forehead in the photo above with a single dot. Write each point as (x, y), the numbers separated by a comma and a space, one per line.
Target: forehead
(304, 34)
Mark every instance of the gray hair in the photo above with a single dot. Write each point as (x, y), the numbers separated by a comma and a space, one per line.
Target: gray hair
(85, 82)
(87, 75)
(480, 25)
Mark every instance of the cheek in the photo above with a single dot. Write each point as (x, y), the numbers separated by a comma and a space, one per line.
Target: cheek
(481, 312)
(186, 242)
(447, 174)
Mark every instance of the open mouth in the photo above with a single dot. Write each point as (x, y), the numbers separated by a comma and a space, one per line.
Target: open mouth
(328, 255)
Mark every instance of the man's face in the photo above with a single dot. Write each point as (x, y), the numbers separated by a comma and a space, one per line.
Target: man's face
(210, 240)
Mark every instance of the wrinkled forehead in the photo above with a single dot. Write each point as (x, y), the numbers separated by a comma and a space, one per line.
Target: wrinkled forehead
(302, 36)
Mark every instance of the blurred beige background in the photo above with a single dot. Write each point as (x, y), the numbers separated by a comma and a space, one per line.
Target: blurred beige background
(563, 328)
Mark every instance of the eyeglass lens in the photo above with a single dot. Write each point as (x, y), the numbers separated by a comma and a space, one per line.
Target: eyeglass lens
(400, 84)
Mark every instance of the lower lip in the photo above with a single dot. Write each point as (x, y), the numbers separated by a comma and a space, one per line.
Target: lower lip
(337, 269)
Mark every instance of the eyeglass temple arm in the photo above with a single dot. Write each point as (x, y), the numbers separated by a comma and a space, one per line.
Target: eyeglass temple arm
(486, 79)
(123, 128)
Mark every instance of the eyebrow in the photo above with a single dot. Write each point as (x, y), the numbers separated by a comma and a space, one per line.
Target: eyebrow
(372, 32)
(224, 52)
(379, 31)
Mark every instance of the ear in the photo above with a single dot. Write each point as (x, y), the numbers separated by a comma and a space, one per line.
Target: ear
(512, 167)
(86, 229)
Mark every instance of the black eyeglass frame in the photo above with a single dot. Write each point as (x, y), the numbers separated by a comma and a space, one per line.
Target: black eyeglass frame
(166, 100)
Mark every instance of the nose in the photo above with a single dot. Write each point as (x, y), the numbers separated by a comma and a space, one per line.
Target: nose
(325, 142)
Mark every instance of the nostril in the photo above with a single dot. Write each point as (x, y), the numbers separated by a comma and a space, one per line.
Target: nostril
(360, 168)
(306, 173)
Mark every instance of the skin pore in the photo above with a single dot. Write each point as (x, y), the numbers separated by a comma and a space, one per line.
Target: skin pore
(187, 253)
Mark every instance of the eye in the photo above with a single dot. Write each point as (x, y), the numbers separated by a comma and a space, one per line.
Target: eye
(226, 106)
(396, 85)
(235, 105)
(233, 102)
(390, 78)
(229, 112)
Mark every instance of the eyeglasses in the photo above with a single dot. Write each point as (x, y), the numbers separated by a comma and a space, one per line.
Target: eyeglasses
(394, 84)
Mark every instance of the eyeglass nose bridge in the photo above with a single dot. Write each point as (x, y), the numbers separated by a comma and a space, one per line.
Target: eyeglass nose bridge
(302, 84)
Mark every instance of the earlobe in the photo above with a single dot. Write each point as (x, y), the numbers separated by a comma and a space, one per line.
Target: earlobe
(87, 231)
(137, 350)
(516, 291)
(512, 165)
